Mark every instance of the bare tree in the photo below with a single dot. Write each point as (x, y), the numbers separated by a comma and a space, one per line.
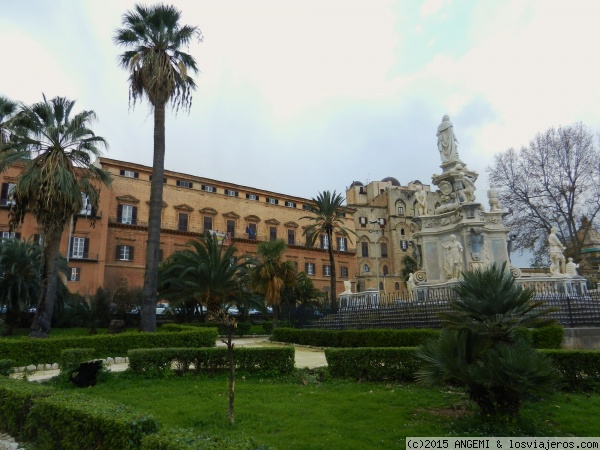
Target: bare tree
(555, 181)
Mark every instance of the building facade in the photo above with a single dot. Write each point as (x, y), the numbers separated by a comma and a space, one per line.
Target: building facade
(111, 252)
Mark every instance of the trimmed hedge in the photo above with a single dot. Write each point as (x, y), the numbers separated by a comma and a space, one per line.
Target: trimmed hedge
(399, 364)
(7, 367)
(16, 400)
(578, 369)
(242, 329)
(186, 439)
(35, 351)
(264, 360)
(549, 337)
(355, 338)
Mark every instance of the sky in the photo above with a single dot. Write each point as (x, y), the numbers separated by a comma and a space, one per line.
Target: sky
(303, 96)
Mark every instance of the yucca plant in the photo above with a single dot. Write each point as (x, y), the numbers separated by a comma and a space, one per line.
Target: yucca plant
(481, 350)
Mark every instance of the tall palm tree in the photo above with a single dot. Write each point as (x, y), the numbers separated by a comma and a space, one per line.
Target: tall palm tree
(8, 108)
(57, 150)
(207, 272)
(270, 275)
(158, 70)
(327, 221)
(20, 267)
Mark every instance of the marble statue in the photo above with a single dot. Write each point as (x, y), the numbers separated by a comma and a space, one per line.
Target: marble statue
(421, 197)
(557, 259)
(347, 287)
(447, 140)
(571, 268)
(454, 258)
(468, 190)
(411, 286)
(416, 253)
(494, 199)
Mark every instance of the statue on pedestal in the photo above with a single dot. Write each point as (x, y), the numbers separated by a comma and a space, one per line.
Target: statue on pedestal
(454, 258)
(411, 286)
(421, 197)
(571, 268)
(557, 259)
(447, 140)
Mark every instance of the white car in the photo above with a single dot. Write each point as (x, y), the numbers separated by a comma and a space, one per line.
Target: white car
(162, 308)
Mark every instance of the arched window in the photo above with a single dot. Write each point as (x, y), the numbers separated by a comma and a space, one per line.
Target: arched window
(366, 268)
(385, 271)
(381, 285)
(400, 207)
(383, 247)
(402, 232)
(397, 286)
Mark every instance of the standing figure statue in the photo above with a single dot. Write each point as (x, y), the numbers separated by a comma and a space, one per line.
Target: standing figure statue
(557, 259)
(571, 268)
(454, 258)
(421, 197)
(447, 141)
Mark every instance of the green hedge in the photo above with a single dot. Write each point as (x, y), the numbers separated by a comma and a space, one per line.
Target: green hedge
(355, 338)
(579, 369)
(549, 337)
(186, 439)
(264, 360)
(36, 351)
(16, 399)
(399, 364)
(242, 329)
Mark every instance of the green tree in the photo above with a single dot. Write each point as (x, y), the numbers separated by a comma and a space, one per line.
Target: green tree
(481, 348)
(327, 221)
(158, 71)
(270, 275)
(8, 109)
(20, 267)
(409, 265)
(57, 150)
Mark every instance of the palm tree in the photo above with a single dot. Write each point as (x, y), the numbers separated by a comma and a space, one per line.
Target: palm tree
(481, 348)
(8, 108)
(327, 222)
(270, 275)
(20, 267)
(55, 148)
(208, 272)
(158, 70)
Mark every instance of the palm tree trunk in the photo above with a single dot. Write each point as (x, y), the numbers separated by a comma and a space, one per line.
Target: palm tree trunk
(149, 292)
(230, 409)
(42, 320)
(332, 279)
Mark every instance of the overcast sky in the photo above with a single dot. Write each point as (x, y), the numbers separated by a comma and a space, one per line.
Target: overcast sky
(308, 95)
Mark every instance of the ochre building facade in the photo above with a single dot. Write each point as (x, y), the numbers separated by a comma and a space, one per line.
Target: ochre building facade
(111, 253)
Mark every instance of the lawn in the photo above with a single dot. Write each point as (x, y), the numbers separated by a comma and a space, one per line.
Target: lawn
(298, 412)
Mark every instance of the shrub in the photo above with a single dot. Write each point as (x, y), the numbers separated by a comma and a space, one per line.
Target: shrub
(34, 351)
(71, 421)
(374, 364)
(354, 338)
(186, 439)
(7, 367)
(550, 336)
(263, 360)
(268, 327)
(16, 399)
(578, 369)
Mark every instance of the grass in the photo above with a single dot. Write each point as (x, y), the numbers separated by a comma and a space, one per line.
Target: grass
(298, 412)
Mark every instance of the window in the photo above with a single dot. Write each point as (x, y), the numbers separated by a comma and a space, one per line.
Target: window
(251, 230)
(404, 245)
(365, 249)
(6, 196)
(366, 268)
(397, 286)
(385, 271)
(306, 207)
(402, 232)
(208, 188)
(79, 247)
(291, 237)
(253, 197)
(231, 193)
(400, 210)
(362, 221)
(326, 270)
(75, 274)
(231, 228)
(10, 235)
(273, 233)
(127, 214)
(129, 174)
(290, 204)
(160, 255)
(342, 244)
(185, 184)
(208, 223)
(124, 253)
(324, 241)
(272, 201)
(344, 272)
(309, 268)
(384, 253)
(183, 219)
(38, 239)
(381, 222)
